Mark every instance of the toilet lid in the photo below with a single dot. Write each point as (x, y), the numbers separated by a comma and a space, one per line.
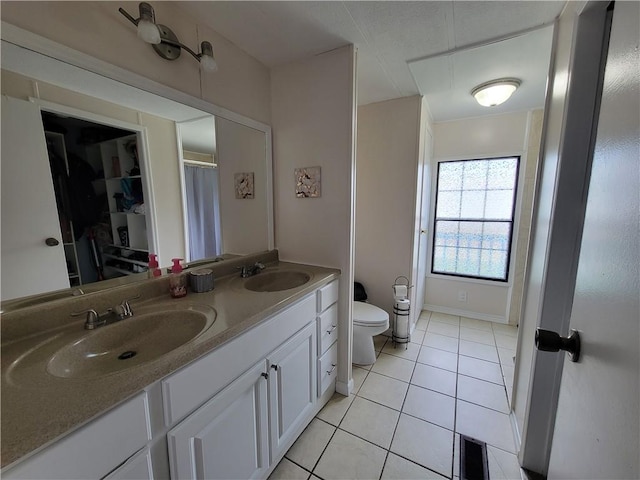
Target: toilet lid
(369, 315)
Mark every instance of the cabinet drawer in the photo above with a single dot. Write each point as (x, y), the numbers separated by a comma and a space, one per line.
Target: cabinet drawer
(328, 295)
(137, 467)
(95, 449)
(327, 328)
(192, 386)
(327, 369)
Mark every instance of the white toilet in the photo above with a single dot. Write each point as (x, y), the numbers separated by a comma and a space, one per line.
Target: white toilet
(368, 321)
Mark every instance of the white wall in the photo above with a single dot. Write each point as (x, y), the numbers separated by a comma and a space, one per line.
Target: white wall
(482, 137)
(387, 160)
(313, 117)
(242, 149)
(97, 28)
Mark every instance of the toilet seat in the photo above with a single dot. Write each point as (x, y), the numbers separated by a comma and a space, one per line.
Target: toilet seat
(367, 315)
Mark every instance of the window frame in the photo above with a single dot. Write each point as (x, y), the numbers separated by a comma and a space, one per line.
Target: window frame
(512, 221)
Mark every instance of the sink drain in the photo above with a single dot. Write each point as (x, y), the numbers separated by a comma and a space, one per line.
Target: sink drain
(127, 355)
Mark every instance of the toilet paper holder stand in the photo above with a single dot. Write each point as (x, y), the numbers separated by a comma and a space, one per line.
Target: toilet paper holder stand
(401, 311)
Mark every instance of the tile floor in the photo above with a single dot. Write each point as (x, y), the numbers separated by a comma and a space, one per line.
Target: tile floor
(406, 413)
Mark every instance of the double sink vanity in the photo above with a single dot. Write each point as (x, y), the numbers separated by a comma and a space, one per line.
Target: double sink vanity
(212, 385)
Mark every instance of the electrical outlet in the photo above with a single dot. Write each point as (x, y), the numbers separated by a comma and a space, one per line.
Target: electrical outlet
(462, 296)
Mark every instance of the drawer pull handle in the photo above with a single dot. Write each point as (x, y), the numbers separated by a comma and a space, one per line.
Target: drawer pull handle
(333, 367)
(333, 327)
(265, 375)
(275, 367)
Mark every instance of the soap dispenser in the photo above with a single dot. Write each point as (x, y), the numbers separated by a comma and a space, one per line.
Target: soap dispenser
(177, 281)
(153, 270)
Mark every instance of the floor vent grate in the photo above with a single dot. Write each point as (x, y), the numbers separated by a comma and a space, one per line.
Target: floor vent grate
(474, 464)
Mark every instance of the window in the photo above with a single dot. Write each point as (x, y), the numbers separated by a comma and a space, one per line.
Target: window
(475, 201)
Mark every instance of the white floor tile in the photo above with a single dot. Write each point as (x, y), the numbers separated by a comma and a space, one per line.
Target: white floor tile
(506, 356)
(398, 468)
(456, 455)
(508, 371)
(434, 378)
(309, 446)
(359, 374)
(443, 329)
(408, 351)
(478, 350)
(439, 358)
(371, 421)
(418, 336)
(484, 424)
(287, 470)
(424, 443)
(506, 341)
(478, 336)
(503, 465)
(379, 342)
(384, 390)
(426, 314)
(348, 456)
(441, 342)
(431, 406)
(483, 393)
(475, 323)
(394, 367)
(335, 409)
(445, 318)
(476, 368)
(510, 330)
(422, 323)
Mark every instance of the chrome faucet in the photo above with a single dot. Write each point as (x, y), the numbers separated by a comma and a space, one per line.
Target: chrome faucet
(250, 270)
(95, 320)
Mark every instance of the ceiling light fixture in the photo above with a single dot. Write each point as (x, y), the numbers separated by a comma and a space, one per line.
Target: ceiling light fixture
(165, 42)
(495, 92)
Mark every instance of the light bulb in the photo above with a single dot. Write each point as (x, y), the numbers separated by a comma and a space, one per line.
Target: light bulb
(148, 31)
(207, 62)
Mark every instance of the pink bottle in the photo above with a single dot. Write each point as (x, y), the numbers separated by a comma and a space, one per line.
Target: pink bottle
(153, 269)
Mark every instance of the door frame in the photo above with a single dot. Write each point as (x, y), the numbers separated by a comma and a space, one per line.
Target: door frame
(574, 151)
(143, 154)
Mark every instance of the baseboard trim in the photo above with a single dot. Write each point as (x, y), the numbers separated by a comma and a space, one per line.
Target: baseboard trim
(466, 313)
(516, 432)
(345, 388)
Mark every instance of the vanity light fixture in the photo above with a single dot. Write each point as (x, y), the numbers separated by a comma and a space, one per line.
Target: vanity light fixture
(495, 92)
(165, 42)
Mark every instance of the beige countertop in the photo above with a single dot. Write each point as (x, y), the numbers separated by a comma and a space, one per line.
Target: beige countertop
(39, 408)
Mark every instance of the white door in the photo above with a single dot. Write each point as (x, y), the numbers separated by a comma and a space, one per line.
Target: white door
(598, 418)
(29, 212)
(227, 438)
(292, 388)
(424, 194)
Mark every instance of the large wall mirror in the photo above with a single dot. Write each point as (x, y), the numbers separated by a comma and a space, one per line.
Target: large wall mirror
(98, 173)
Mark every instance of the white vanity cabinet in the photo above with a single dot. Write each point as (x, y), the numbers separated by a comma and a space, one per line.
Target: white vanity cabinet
(250, 424)
(94, 450)
(327, 309)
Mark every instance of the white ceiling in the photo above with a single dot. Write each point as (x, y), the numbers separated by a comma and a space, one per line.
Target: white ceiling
(389, 35)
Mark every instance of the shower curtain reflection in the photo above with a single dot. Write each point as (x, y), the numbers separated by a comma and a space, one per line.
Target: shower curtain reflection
(203, 211)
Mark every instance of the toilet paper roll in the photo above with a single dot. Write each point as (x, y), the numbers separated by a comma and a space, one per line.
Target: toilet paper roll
(401, 319)
(399, 292)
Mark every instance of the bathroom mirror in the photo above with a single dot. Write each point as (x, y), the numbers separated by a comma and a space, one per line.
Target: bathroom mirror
(241, 150)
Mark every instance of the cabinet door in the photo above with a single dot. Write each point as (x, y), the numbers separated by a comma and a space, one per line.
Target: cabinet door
(137, 467)
(292, 388)
(29, 214)
(227, 437)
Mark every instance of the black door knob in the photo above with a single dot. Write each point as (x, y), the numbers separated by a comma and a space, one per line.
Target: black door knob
(548, 341)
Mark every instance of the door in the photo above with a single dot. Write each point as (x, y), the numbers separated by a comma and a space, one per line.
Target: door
(227, 438)
(598, 419)
(292, 392)
(29, 213)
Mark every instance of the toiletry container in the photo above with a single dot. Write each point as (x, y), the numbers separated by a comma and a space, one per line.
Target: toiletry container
(177, 281)
(153, 270)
